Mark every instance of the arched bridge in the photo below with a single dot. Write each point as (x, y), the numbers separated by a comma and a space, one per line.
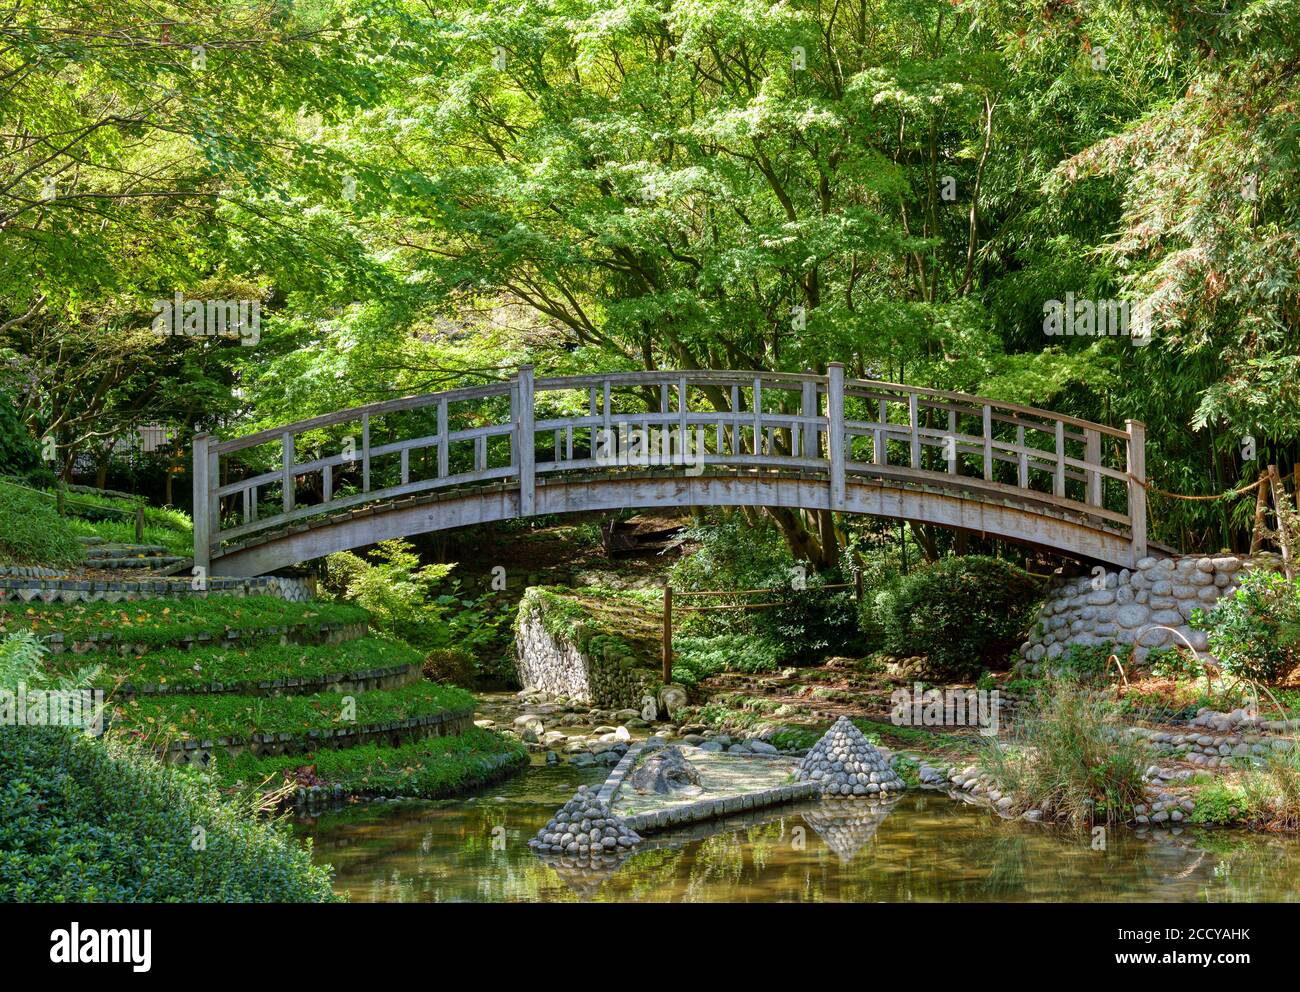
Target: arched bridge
(532, 446)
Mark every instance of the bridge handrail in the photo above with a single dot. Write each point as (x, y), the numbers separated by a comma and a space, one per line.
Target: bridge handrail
(797, 436)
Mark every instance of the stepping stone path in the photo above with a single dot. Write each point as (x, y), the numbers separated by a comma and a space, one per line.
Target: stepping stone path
(584, 826)
(845, 763)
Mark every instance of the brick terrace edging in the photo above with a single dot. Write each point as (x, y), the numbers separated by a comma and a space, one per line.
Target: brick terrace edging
(394, 732)
(25, 585)
(367, 680)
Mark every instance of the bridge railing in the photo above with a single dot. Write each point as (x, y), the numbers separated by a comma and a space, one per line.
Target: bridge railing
(514, 432)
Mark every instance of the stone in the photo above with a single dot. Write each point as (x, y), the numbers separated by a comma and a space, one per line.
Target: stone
(665, 771)
(838, 760)
(672, 698)
(649, 708)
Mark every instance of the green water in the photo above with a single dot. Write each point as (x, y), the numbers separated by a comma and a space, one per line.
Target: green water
(927, 847)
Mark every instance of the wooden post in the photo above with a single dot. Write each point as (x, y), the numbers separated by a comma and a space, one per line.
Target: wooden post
(987, 416)
(835, 430)
(914, 420)
(1058, 479)
(1261, 512)
(286, 471)
(139, 525)
(1093, 457)
(202, 539)
(668, 633)
(1137, 490)
(812, 442)
(524, 440)
(1282, 512)
(857, 584)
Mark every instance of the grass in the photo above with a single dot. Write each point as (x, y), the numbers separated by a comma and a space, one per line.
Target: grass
(430, 769)
(93, 821)
(32, 532)
(1070, 759)
(164, 621)
(208, 716)
(232, 666)
(179, 543)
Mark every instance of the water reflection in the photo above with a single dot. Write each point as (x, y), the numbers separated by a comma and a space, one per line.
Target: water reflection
(924, 847)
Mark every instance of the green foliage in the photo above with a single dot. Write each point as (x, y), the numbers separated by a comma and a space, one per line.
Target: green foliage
(454, 666)
(395, 590)
(962, 614)
(245, 665)
(167, 621)
(1256, 632)
(208, 716)
(32, 532)
(87, 821)
(696, 658)
(1070, 758)
(806, 622)
(428, 769)
(18, 449)
(1220, 803)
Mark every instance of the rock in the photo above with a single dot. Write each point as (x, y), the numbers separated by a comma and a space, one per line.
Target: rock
(581, 826)
(843, 758)
(649, 709)
(672, 698)
(666, 771)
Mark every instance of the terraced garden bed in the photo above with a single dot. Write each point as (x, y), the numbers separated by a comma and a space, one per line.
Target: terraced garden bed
(358, 665)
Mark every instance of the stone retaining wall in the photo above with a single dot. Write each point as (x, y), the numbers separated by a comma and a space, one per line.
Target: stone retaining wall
(557, 667)
(1129, 606)
(24, 584)
(392, 734)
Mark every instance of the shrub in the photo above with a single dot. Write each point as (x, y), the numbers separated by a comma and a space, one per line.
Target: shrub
(395, 590)
(807, 622)
(1070, 758)
(1221, 804)
(962, 614)
(1256, 633)
(454, 666)
(91, 821)
(32, 532)
(696, 658)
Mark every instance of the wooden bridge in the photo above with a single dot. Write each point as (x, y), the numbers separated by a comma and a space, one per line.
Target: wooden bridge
(539, 446)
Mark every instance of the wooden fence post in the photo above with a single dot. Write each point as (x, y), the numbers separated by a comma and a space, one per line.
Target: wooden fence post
(1137, 489)
(524, 439)
(1283, 514)
(139, 524)
(835, 430)
(668, 633)
(202, 539)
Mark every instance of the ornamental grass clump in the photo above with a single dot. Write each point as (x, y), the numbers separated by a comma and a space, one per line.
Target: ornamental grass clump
(1070, 759)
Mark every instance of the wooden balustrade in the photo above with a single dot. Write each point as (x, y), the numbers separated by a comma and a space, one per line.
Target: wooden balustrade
(522, 432)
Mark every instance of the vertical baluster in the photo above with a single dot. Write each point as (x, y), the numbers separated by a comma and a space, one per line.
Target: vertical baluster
(444, 440)
(327, 482)
(1058, 480)
(286, 470)
(1093, 457)
(202, 491)
(1022, 459)
(683, 422)
(951, 445)
(881, 453)
(406, 465)
(365, 450)
(915, 424)
(1136, 458)
(758, 416)
(987, 414)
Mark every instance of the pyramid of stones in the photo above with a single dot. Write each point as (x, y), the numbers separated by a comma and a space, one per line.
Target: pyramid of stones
(846, 827)
(845, 763)
(583, 827)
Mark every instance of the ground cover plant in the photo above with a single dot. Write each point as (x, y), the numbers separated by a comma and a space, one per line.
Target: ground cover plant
(233, 666)
(204, 717)
(93, 821)
(428, 769)
(33, 533)
(160, 621)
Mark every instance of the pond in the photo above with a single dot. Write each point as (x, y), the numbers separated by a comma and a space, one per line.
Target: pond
(926, 848)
